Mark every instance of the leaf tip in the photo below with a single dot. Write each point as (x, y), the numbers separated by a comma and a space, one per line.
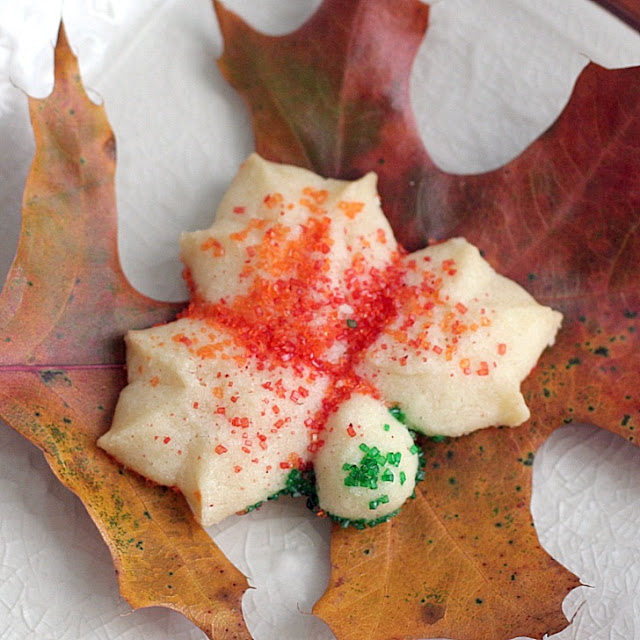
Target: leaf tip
(63, 49)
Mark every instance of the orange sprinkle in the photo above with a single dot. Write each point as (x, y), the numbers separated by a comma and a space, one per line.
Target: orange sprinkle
(214, 245)
(180, 337)
(220, 449)
(398, 335)
(484, 369)
(273, 200)
(461, 308)
(318, 195)
(351, 209)
(241, 360)
(312, 206)
(254, 223)
(351, 431)
(447, 265)
(458, 328)
(208, 351)
(154, 381)
(502, 349)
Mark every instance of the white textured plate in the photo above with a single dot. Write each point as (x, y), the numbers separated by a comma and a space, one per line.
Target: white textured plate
(491, 76)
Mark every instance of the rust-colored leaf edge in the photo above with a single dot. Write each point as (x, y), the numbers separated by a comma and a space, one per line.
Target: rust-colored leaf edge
(62, 407)
(626, 10)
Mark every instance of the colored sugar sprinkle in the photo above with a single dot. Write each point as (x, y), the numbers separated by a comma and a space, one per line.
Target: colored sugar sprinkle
(394, 458)
(398, 414)
(374, 504)
(372, 468)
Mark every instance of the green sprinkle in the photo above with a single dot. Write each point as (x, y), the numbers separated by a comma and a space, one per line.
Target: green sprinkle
(351, 323)
(414, 448)
(403, 477)
(387, 476)
(383, 499)
(394, 458)
(362, 523)
(398, 414)
(386, 427)
(373, 504)
(372, 468)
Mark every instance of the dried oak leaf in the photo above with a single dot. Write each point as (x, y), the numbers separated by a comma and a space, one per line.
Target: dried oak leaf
(626, 10)
(63, 311)
(462, 560)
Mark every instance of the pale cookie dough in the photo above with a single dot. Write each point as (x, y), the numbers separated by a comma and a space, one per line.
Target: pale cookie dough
(368, 465)
(463, 341)
(307, 325)
(198, 414)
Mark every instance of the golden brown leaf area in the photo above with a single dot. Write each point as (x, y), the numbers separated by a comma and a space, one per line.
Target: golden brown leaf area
(63, 310)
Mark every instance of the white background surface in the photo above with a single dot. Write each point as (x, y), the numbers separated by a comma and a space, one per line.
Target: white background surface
(491, 76)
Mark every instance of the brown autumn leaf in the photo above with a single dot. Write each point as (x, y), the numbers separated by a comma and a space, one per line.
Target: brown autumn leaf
(626, 10)
(431, 614)
(63, 311)
(463, 560)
